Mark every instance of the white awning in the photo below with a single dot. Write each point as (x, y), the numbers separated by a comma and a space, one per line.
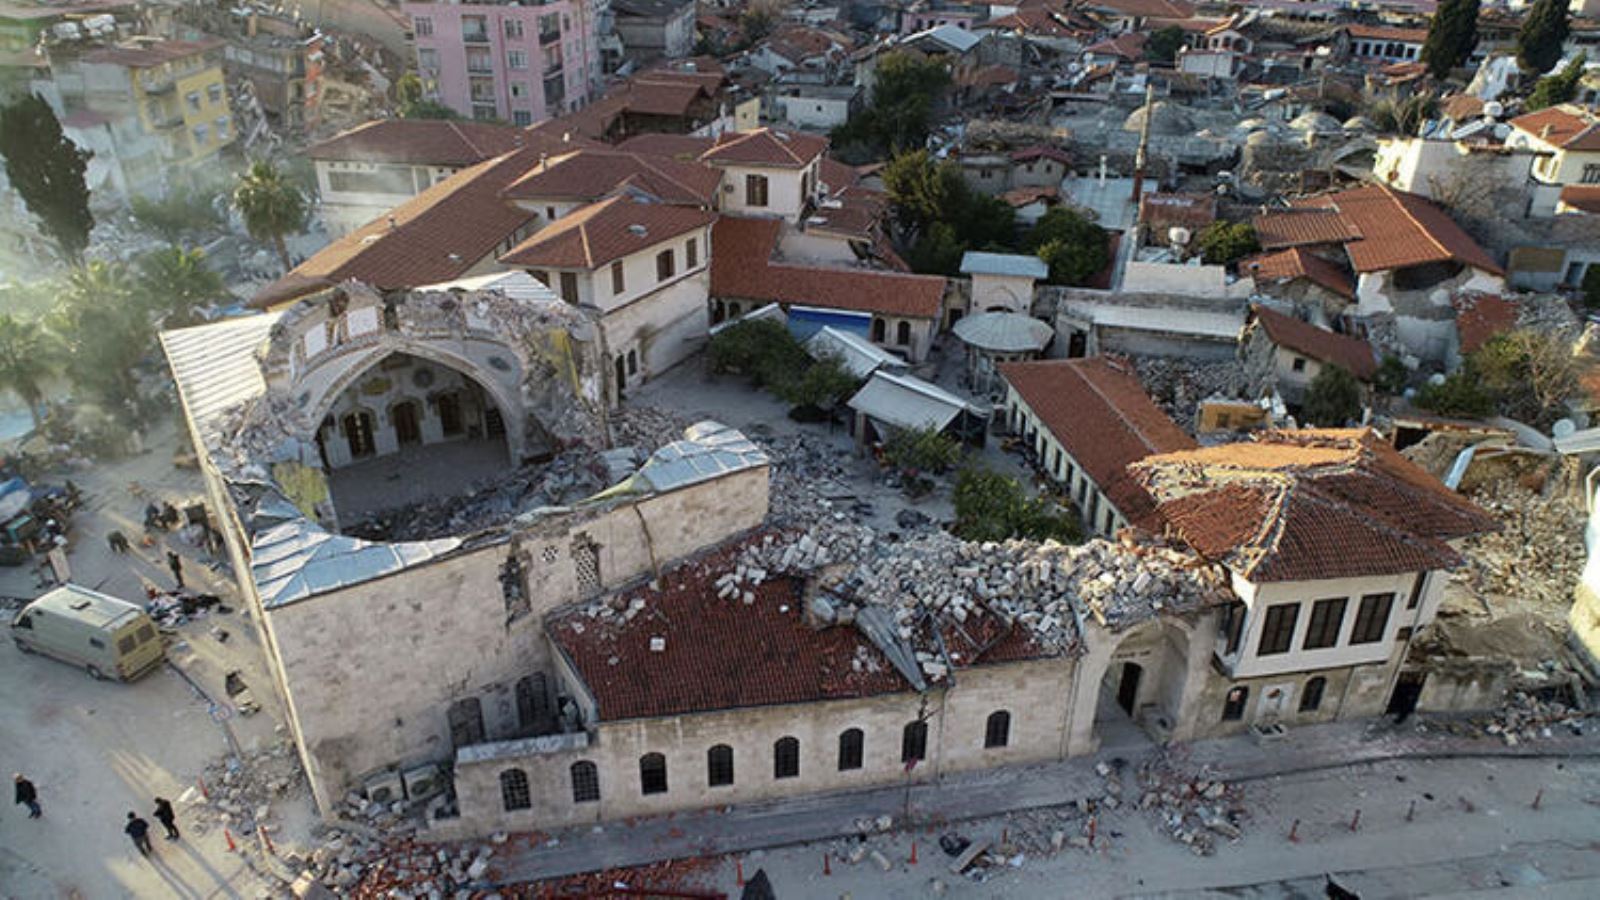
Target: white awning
(860, 356)
(906, 402)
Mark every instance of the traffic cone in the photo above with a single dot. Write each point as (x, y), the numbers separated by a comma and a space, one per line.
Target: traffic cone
(827, 867)
(913, 853)
(228, 835)
(738, 867)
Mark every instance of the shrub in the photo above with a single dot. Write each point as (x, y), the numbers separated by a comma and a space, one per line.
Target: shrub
(990, 506)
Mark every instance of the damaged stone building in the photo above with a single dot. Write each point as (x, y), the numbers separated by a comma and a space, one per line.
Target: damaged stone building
(701, 629)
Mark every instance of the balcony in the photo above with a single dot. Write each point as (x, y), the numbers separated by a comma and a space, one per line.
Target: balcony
(166, 120)
(549, 37)
(478, 35)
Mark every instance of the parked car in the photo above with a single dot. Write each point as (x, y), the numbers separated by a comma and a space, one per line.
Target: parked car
(109, 638)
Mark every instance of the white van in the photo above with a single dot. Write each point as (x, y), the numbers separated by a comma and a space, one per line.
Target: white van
(109, 638)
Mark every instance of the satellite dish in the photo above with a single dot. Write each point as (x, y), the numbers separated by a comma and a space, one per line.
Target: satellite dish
(1494, 109)
(1502, 131)
(1563, 428)
(1436, 379)
(1178, 234)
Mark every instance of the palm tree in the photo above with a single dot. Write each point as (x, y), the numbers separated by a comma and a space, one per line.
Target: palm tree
(25, 355)
(104, 330)
(175, 282)
(271, 206)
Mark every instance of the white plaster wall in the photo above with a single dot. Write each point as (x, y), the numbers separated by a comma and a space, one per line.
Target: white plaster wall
(1172, 278)
(815, 112)
(814, 246)
(783, 191)
(1009, 292)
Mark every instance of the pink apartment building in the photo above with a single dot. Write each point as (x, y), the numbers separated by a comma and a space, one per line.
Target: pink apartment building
(518, 63)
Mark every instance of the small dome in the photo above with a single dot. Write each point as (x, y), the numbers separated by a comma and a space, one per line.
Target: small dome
(1315, 121)
(1167, 118)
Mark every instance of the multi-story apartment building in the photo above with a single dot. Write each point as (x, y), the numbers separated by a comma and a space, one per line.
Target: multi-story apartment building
(173, 89)
(519, 64)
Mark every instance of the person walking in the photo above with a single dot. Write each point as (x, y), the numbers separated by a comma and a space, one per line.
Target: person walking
(118, 542)
(26, 794)
(176, 565)
(167, 817)
(139, 830)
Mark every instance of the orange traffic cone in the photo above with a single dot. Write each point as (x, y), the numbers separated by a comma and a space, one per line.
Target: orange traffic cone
(228, 835)
(739, 871)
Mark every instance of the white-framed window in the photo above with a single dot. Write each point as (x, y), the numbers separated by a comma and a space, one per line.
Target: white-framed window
(519, 89)
(422, 25)
(514, 29)
(517, 59)
(193, 99)
(521, 117)
(428, 59)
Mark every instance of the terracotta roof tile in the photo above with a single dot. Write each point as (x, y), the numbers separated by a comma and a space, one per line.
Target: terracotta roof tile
(1398, 229)
(683, 147)
(1298, 262)
(1480, 317)
(1380, 33)
(1099, 412)
(1570, 127)
(719, 654)
(1314, 504)
(434, 142)
(1042, 151)
(836, 175)
(1301, 227)
(1162, 211)
(1584, 197)
(742, 267)
(601, 232)
(592, 174)
(1165, 9)
(1354, 354)
(766, 147)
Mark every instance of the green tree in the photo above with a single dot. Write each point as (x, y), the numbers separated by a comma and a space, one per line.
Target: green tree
(1333, 399)
(1406, 116)
(937, 251)
(105, 331)
(924, 190)
(762, 349)
(993, 507)
(1591, 286)
(921, 450)
(46, 169)
(186, 209)
(1392, 375)
(412, 103)
(1544, 30)
(1072, 246)
(941, 215)
(174, 283)
(821, 386)
(905, 89)
(1452, 35)
(1225, 243)
(1459, 394)
(26, 351)
(272, 207)
(1163, 44)
(1530, 374)
(1562, 87)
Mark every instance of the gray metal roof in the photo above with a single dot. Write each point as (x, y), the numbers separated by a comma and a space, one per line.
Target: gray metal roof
(906, 402)
(215, 367)
(957, 39)
(709, 449)
(298, 559)
(860, 356)
(517, 285)
(974, 262)
(1004, 332)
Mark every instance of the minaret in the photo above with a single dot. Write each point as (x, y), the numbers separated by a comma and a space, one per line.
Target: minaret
(1144, 142)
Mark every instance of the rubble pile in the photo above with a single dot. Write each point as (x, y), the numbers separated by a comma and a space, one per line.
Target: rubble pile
(645, 427)
(1536, 557)
(676, 877)
(1194, 808)
(406, 869)
(1549, 313)
(237, 792)
(565, 479)
(1526, 717)
(1178, 385)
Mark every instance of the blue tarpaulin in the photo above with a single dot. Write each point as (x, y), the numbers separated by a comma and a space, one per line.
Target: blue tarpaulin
(805, 321)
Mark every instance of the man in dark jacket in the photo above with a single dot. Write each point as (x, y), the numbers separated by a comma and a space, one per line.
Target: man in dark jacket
(139, 830)
(168, 819)
(176, 565)
(27, 795)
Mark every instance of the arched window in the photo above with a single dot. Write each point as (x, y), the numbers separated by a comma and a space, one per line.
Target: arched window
(914, 741)
(902, 333)
(653, 774)
(466, 722)
(786, 758)
(533, 701)
(851, 742)
(719, 766)
(514, 790)
(1311, 696)
(1233, 705)
(585, 782)
(997, 731)
(879, 328)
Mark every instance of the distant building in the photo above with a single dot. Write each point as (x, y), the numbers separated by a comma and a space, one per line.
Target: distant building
(653, 29)
(518, 64)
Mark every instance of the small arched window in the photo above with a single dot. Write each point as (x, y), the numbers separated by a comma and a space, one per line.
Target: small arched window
(997, 731)
(786, 758)
(902, 333)
(719, 766)
(1311, 696)
(514, 790)
(914, 742)
(851, 745)
(585, 782)
(879, 328)
(652, 774)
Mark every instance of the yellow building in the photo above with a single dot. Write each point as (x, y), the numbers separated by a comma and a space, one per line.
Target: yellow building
(174, 88)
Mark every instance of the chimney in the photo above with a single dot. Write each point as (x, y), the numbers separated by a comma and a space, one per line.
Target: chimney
(1144, 142)
(391, 223)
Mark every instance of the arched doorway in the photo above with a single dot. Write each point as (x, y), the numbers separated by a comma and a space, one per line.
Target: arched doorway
(1128, 686)
(357, 428)
(406, 417)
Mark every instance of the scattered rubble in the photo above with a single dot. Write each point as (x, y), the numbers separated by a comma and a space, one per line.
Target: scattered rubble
(1535, 560)
(1195, 808)
(1178, 385)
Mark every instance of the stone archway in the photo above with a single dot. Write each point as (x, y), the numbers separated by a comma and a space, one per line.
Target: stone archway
(1132, 685)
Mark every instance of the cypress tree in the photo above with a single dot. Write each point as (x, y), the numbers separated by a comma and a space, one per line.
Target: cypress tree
(1543, 32)
(1451, 36)
(46, 169)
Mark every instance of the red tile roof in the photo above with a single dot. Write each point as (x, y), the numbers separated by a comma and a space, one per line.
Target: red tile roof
(836, 175)
(1353, 354)
(1584, 197)
(1162, 211)
(1165, 9)
(1127, 46)
(1570, 127)
(766, 147)
(1298, 262)
(1301, 227)
(1461, 107)
(1480, 317)
(148, 55)
(719, 654)
(435, 236)
(1305, 505)
(1042, 151)
(1379, 33)
(1020, 197)
(425, 142)
(601, 232)
(1399, 229)
(1098, 411)
(742, 267)
(674, 146)
(1029, 21)
(592, 174)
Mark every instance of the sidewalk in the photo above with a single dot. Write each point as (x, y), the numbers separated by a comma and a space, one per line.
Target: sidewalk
(980, 795)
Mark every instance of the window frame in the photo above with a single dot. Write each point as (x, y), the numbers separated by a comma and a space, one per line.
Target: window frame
(1275, 629)
(914, 741)
(1311, 694)
(997, 730)
(515, 793)
(666, 265)
(691, 254)
(757, 191)
(651, 765)
(852, 749)
(619, 279)
(1370, 623)
(719, 766)
(786, 757)
(1317, 627)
